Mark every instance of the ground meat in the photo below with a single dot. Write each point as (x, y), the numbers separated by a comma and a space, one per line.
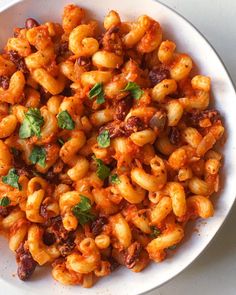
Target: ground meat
(174, 135)
(51, 176)
(157, 74)
(66, 247)
(31, 23)
(56, 233)
(26, 263)
(115, 129)
(132, 254)
(4, 211)
(18, 61)
(63, 48)
(194, 118)
(133, 124)
(158, 121)
(112, 41)
(98, 224)
(85, 62)
(4, 82)
(122, 108)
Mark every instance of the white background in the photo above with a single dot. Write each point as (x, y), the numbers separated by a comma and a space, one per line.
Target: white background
(214, 272)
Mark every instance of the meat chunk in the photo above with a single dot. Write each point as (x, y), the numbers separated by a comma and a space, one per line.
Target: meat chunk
(18, 61)
(122, 108)
(133, 124)
(158, 74)
(26, 263)
(98, 224)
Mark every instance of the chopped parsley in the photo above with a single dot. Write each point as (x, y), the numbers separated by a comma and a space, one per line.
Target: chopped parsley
(32, 124)
(5, 201)
(115, 179)
(38, 156)
(82, 210)
(103, 139)
(65, 121)
(134, 89)
(103, 171)
(155, 232)
(12, 179)
(97, 91)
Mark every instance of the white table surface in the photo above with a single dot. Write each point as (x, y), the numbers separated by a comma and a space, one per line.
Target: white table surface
(214, 272)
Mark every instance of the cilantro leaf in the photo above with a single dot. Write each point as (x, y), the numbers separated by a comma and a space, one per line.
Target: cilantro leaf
(103, 139)
(38, 155)
(31, 124)
(82, 210)
(97, 91)
(134, 90)
(12, 179)
(155, 232)
(65, 121)
(115, 179)
(103, 171)
(5, 201)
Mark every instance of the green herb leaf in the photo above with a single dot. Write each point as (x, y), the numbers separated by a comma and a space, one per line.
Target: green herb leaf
(115, 179)
(31, 124)
(38, 155)
(65, 121)
(172, 247)
(60, 141)
(97, 91)
(134, 90)
(103, 139)
(100, 98)
(12, 179)
(5, 201)
(103, 171)
(155, 232)
(82, 210)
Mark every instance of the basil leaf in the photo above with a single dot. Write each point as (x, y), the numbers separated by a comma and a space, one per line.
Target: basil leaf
(5, 201)
(97, 91)
(103, 171)
(12, 179)
(155, 232)
(115, 179)
(103, 139)
(82, 210)
(31, 124)
(134, 89)
(38, 155)
(65, 121)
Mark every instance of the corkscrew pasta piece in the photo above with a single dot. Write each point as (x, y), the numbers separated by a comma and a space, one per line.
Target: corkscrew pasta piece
(107, 145)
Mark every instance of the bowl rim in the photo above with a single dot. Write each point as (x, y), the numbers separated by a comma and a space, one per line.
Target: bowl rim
(6, 6)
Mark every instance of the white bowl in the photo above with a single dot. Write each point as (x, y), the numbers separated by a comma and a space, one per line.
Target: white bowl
(188, 39)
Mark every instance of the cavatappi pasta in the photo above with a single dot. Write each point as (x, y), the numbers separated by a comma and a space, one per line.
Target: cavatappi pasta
(106, 145)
